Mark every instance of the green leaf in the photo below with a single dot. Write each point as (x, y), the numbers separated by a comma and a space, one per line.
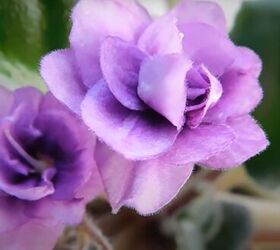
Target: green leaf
(258, 27)
(15, 74)
(235, 230)
(28, 30)
(207, 223)
(190, 237)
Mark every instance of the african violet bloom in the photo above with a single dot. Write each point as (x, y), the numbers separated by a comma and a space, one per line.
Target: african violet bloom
(47, 169)
(160, 94)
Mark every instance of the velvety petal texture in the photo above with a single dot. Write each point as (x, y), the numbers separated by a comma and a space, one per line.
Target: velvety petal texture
(206, 12)
(46, 168)
(216, 52)
(161, 37)
(162, 86)
(140, 184)
(120, 63)
(31, 236)
(59, 72)
(93, 21)
(160, 94)
(249, 141)
(235, 100)
(200, 143)
(137, 135)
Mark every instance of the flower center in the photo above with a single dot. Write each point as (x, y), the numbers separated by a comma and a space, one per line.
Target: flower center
(198, 88)
(39, 165)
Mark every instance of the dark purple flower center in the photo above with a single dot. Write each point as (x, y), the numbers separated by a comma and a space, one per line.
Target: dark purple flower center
(38, 164)
(33, 166)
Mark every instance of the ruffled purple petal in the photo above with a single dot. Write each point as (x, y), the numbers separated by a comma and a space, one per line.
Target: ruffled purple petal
(250, 140)
(161, 37)
(162, 86)
(137, 135)
(31, 236)
(120, 64)
(28, 96)
(93, 21)
(6, 102)
(205, 45)
(209, 13)
(61, 75)
(194, 145)
(27, 190)
(241, 94)
(50, 211)
(247, 62)
(18, 231)
(88, 184)
(11, 213)
(146, 186)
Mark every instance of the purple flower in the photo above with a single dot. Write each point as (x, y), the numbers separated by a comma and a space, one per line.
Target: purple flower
(162, 94)
(47, 169)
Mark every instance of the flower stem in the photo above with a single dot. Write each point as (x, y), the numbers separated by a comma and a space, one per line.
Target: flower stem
(94, 233)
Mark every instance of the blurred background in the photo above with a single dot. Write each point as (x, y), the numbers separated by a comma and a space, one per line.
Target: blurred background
(231, 210)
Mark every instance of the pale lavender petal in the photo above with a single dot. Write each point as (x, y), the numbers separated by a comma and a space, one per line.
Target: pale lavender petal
(120, 64)
(93, 21)
(28, 96)
(205, 45)
(31, 236)
(162, 86)
(11, 213)
(145, 186)
(161, 37)
(247, 62)
(137, 135)
(250, 140)
(51, 211)
(25, 98)
(26, 191)
(61, 75)
(194, 145)
(214, 90)
(92, 188)
(241, 94)
(50, 103)
(201, 12)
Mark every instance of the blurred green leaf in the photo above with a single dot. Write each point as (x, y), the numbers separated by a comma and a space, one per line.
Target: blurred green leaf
(208, 224)
(235, 230)
(258, 27)
(28, 30)
(15, 74)
(172, 3)
(190, 237)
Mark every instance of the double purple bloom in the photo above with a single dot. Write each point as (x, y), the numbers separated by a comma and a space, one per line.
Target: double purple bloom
(162, 95)
(47, 169)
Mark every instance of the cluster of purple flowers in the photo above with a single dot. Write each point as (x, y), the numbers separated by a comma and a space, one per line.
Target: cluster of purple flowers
(141, 102)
